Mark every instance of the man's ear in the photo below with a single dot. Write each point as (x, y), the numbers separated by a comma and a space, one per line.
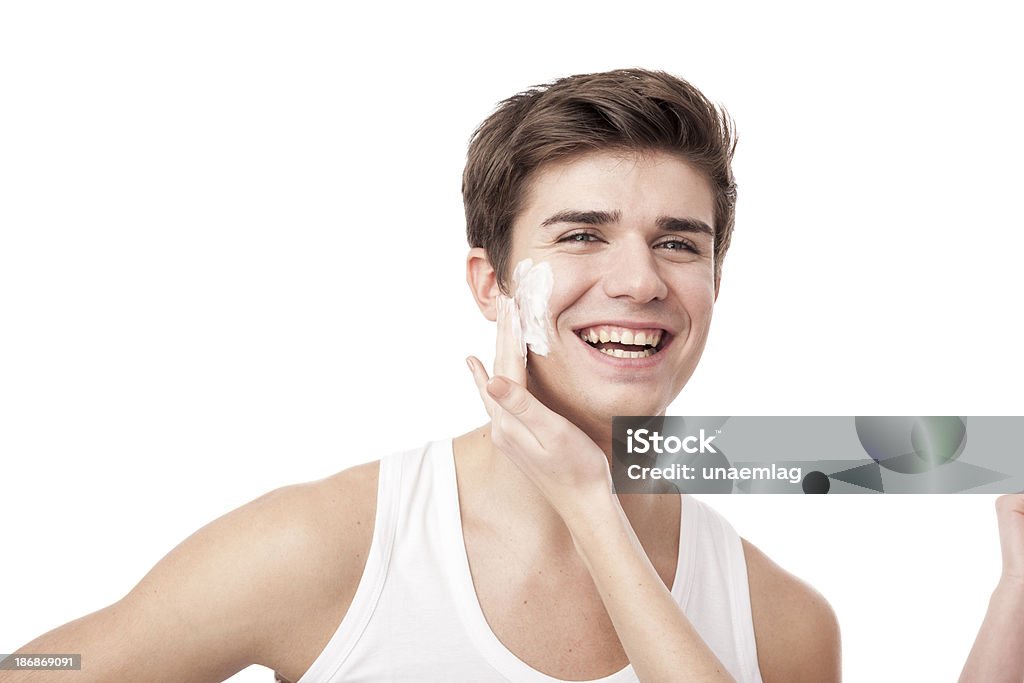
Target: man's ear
(483, 283)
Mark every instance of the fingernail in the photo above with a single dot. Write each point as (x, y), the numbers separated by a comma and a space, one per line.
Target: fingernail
(498, 387)
(469, 364)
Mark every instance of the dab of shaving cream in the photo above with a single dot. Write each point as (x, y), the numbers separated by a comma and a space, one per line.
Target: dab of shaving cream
(533, 284)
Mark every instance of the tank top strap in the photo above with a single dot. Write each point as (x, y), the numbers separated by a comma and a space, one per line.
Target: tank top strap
(720, 559)
(371, 583)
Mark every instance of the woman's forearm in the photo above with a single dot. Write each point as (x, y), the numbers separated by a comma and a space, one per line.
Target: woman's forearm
(660, 641)
(998, 652)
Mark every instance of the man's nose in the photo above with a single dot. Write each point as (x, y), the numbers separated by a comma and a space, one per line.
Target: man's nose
(632, 272)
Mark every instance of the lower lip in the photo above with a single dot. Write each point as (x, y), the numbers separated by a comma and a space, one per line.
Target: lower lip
(629, 363)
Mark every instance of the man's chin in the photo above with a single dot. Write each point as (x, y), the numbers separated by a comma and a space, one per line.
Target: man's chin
(596, 405)
(599, 416)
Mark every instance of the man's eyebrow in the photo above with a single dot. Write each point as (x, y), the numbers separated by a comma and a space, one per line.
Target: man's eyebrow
(673, 224)
(585, 217)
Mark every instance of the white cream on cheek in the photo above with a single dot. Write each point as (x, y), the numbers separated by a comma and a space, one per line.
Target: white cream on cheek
(533, 283)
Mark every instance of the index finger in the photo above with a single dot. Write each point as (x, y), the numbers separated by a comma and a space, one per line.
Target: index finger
(510, 352)
(519, 407)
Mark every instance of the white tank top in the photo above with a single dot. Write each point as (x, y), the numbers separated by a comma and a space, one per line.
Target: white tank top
(415, 615)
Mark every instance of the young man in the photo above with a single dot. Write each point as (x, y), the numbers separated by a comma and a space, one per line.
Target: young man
(503, 554)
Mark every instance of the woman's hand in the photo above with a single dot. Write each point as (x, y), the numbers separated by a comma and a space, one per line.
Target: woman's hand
(558, 457)
(1010, 511)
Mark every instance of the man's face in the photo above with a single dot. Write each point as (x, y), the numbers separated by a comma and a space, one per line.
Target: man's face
(628, 237)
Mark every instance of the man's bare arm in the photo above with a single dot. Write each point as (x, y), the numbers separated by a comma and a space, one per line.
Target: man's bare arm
(661, 643)
(797, 632)
(998, 652)
(229, 595)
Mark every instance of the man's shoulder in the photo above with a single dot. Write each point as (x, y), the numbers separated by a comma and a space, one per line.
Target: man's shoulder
(354, 489)
(795, 626)
(308, 536)
(306, 545)
(326, 524)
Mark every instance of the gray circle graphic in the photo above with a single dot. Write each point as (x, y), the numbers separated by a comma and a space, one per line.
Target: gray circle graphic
(912, 445)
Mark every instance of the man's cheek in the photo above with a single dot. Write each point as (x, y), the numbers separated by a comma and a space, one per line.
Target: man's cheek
(569, 283)
(534, 284)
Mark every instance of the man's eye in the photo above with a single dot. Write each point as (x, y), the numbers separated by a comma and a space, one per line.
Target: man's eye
(678, 245)
(579, 237)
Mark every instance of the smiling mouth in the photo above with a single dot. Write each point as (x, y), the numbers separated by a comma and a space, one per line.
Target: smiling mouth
(624, 342)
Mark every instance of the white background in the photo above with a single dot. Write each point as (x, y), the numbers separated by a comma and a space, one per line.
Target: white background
(232, 245)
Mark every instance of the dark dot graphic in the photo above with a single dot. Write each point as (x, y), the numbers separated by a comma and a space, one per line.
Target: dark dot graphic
(816, 482)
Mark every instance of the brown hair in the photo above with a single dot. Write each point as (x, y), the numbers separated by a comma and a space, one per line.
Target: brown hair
(630, 109)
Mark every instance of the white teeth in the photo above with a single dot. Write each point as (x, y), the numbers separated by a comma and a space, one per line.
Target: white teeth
(621, 335)
(619, 353)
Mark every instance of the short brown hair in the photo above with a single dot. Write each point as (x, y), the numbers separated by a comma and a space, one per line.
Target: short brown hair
(629, 109)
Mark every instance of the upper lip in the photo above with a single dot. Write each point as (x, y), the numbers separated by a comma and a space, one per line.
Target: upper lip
(631, 324)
